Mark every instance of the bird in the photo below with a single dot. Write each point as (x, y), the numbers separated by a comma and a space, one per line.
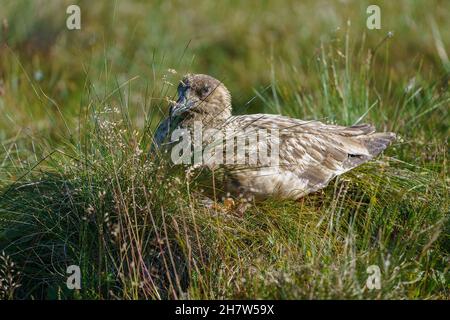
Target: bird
(310, 153)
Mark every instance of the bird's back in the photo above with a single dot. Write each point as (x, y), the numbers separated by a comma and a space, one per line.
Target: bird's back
(311, 153)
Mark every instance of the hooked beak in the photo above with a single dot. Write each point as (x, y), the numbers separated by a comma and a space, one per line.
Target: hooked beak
(182, 105)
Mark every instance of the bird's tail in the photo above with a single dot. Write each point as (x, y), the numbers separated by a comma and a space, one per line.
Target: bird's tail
(373, 143)
(378, 141)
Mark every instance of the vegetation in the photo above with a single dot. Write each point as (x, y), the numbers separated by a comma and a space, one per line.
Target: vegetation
(79, 185)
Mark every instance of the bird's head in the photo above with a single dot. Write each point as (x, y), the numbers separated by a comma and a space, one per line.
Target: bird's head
(202, 97)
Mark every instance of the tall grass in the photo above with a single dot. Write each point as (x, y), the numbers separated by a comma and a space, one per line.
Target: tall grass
(79, 185)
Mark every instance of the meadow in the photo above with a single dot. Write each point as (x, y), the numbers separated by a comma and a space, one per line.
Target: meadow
(79, 184)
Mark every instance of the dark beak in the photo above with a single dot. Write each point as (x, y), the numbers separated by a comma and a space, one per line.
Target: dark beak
(182, 105)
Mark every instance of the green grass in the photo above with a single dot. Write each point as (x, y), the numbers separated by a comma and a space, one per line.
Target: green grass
(78, 184)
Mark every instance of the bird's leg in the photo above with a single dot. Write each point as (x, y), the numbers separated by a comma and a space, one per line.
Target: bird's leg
(210, 204)
(226, 206)
(241, 205)
(229, 204)
(235, 207)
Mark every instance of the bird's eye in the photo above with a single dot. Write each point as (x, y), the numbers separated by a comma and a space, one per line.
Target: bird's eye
(203, 91)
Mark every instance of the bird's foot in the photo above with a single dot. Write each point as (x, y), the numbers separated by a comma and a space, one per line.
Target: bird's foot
(210, 204)
(229, 206)
(236, 208)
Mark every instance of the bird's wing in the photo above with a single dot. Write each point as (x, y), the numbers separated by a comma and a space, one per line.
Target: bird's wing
(314, 151)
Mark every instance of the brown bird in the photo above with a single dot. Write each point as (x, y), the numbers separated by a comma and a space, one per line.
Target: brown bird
(310, 153)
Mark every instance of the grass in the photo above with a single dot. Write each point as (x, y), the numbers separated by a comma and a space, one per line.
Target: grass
(79, 185)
